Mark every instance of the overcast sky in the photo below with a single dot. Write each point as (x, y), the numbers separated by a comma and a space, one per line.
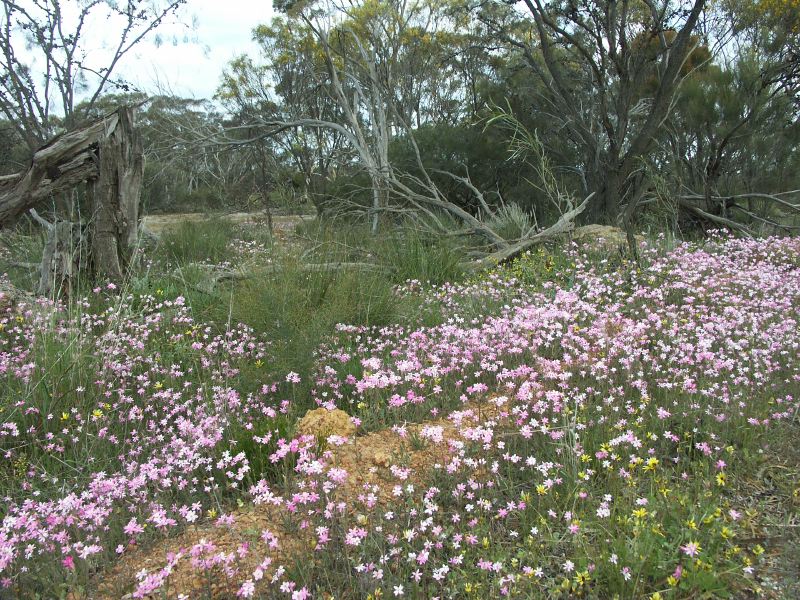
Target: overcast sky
(222, 30)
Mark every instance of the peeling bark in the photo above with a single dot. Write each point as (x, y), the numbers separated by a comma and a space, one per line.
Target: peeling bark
(115, 199)
(106, 154)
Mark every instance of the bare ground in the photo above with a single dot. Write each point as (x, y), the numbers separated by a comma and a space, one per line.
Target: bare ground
(282, 224)
(367, 460)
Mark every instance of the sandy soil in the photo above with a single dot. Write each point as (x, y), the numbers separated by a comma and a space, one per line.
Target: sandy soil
(158, 224)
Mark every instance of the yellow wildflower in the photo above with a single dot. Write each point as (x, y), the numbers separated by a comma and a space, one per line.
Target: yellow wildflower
(582, 577)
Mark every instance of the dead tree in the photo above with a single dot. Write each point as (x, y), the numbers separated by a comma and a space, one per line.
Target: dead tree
(735, 212)
(106, 155)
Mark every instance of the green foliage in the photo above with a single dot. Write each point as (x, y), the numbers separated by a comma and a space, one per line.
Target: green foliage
(411, 254)
(198, 241)
(258, 454)
(535, 267)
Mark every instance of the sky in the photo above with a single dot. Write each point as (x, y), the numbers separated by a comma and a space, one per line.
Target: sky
(189, 61)
(194, 48)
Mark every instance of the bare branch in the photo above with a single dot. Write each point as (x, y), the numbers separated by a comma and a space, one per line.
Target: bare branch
(468, 182)
(564, 224)
(39, 219)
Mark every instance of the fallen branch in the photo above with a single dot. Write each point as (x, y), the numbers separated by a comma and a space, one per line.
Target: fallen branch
(717, 220)
(564, 224)
(758, 195)
(24, 265)
(217, 276)
(39, 219)
(342, 266)
(434, 199)
(467, 182)
(764, 220)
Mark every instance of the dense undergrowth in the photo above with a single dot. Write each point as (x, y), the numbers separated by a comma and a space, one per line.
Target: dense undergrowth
(625, 413)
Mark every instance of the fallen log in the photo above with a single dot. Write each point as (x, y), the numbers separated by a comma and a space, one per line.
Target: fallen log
(715, 219)
(341, 266)
(215, 276)
(564, 225)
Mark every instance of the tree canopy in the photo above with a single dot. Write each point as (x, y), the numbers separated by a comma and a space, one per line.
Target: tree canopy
(662, 111)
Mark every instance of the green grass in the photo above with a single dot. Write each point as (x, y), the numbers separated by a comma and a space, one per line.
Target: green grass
(199, 241)
(296, 308)
(411, 254)
(404, 251)
(20, 255)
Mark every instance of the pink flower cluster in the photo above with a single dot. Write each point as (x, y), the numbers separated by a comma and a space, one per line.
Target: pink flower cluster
(556, 397)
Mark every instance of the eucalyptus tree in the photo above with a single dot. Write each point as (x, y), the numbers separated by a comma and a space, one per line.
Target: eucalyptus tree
(611, 70)
(771, 28)
(356, 74)
(286, 83)
(733, 133)
(730, 130)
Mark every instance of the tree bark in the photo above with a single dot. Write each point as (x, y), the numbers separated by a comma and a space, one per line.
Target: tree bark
(115, 198)
(59, 165)
(61, 259)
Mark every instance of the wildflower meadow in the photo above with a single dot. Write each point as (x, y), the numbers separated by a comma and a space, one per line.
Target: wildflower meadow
(572, 424)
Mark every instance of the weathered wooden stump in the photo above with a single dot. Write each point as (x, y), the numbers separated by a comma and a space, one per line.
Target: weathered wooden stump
(105, 154)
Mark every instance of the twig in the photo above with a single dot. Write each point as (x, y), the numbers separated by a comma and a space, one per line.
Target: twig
(41, 220)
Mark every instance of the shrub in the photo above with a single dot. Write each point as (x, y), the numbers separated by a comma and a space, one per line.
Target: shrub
(511, 222)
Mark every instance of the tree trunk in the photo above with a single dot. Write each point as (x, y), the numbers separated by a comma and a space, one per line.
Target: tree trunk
(115, 198)
(61, 259)
(605, 203)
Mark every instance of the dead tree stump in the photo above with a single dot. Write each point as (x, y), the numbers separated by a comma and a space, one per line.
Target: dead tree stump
(115, 198)
(61, 259)
(105, 154)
